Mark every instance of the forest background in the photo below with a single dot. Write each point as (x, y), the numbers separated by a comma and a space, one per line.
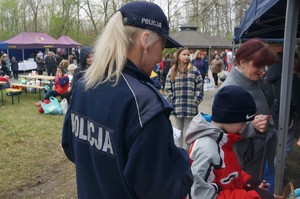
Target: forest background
(83, 20)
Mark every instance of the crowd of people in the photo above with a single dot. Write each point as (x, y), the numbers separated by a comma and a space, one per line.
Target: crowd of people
(65, 71)
(66, 74)
(216, 63)
(120, 143)
(46, 62)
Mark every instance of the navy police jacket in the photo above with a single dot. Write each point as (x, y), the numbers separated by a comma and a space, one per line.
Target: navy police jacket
(121, 141)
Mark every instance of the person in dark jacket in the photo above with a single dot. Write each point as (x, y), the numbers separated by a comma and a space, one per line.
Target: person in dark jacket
(117, 129)
(15, 67)
(166, 63)
(50, 64)
(86, 57)
(272, 87)
(201, 63)
(4, 65)
(40, 62)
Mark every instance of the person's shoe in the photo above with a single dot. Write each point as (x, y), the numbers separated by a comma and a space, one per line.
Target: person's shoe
(38, 104)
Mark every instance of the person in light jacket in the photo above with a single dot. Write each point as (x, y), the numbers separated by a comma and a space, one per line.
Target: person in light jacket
(184, 89)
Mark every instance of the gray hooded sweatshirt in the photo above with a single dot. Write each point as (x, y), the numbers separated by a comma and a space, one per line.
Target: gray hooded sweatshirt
(208, 149)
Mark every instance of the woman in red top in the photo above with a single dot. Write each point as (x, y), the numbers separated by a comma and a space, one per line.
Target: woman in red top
(61, 84)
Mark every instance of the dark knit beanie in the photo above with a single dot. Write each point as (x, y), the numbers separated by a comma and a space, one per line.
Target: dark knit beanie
(233, 104)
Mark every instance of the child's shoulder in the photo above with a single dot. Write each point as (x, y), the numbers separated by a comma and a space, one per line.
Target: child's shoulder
(206, 144)
(206, 149)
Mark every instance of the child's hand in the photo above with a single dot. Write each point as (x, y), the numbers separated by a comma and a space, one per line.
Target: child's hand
(264, 185)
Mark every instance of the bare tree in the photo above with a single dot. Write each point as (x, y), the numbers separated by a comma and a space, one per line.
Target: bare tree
(87, 7)
(215, 17)
(34, 7)
(84, 19)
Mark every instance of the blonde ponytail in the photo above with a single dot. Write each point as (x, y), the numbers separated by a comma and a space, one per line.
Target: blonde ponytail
(110, 54)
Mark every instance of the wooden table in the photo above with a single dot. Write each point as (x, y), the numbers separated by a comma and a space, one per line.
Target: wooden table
(44, 77)
(1, 84)
(14, 92)
(29, 86)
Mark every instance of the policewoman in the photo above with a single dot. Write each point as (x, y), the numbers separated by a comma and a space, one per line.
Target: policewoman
(117, 129)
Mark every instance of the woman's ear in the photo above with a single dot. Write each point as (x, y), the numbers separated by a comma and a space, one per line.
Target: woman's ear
(242, 62)
(145, 40)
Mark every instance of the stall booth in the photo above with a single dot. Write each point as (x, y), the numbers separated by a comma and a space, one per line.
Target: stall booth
(70, 44)
(25, 45)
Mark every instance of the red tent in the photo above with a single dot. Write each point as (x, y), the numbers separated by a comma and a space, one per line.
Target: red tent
(67, 41)
(33, 40)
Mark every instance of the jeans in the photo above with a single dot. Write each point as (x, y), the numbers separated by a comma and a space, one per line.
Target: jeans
(181, 124)
(50, 93)
(216, 79)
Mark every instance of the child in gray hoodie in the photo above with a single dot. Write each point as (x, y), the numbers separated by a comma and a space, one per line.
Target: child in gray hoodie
(215, 167)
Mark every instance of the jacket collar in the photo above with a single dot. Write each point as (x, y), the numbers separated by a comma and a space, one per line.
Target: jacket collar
(131, 69)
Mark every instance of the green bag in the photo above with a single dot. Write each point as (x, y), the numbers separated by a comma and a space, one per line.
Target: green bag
(53, 108)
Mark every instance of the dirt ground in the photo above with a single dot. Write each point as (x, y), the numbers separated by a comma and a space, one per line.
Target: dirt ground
(59, 182)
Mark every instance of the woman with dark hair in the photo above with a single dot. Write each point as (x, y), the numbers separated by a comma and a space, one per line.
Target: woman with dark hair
(184, 90)
(258, 145)
(86, 60)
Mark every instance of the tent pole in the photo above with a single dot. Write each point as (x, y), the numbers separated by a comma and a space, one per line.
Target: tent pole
(209, 51)
(23, 54)
(292, 13)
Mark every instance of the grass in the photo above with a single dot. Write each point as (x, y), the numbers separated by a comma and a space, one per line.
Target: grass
(30, 141)
(30, 146)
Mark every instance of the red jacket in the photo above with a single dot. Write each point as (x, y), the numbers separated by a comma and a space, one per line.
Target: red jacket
(61, 84)
(231, 178)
